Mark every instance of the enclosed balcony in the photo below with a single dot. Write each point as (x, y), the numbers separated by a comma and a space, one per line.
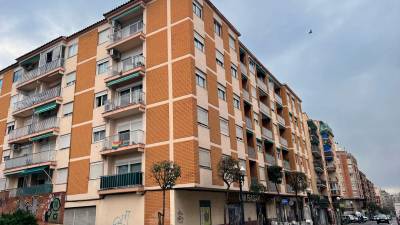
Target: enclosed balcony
(283, 142)
(321, 183)
(278, 99)
(31, 190)
(27, 105)
(126, 71)
(249, 124)
(281, 121)
(124, 142)
(331, 167)
(127, 37)
(48, 72)
(316, 151)
(246, 96)
(39, 129)
(289, 189)
(265, 110)
(262, 86)
(243, 69)
(121, 183)
(318, 167)
(267, 134)
(127, 103)
(270, 159)
(286, 164)
(251, 152)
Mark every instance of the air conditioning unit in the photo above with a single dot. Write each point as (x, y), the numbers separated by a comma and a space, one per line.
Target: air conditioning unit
(115, 54)
(16, 147)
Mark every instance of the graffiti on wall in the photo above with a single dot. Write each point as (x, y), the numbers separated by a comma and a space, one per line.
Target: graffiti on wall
(47, 208)
(122, 219)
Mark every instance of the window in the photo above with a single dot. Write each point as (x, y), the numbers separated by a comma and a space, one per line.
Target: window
(252, 66)
(197, 9)
(202, 116)
(201, 79)
(255, 118)
(102, 67)
(81, 215)
(236, 101)
(62, 175)
(129, 168)
(239, 132)
(70, 79)
(204, 158)
(65, 141)
(219, 58)
(101, 98)
(1, 84)
(17, 75)
(234, 71)
(3, 184)
(103, 36)
(68, 108)
(72, 49)
(96, 170)
(262, 173)
(99, 134)
(232, 42)
(242, 164)
(223, 123)
(221, 92)
(198, 41)
(10, 127)
(217, 28)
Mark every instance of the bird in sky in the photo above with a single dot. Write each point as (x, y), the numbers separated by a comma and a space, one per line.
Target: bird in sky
(310, 32)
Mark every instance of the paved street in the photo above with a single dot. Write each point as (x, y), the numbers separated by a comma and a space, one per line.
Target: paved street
(393, 222)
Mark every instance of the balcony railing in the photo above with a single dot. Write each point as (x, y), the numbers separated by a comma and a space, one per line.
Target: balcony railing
(29, 75)
(121, 180)
(265, 109)
(32, 190)
(34, 99)
(289, 189)
(286, 164)
(128, 64)
(278, 99)
(271, 186)
(262, 85)
(246, 95)
(243, 68)
(270, 159)
(267, 133)
(123, 139)
(249, 124)
(135, 97)
(281, 120)
(30, 159)
(283, 142)
(127, 31)
(36, 127)
(252, 152)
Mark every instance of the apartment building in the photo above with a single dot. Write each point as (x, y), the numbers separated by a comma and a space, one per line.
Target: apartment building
(350, 181)
(367, 188)
(84, 117)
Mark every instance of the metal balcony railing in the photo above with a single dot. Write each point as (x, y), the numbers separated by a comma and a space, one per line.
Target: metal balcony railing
(30, 159)
(246, 95)
(29, 75)
(123, 139)
(34, 99)
(289, 189)
(262, 85)
(135, 97)
(35, 127)
(249, 124)
(278, 99)
(121, 180)
(270, 159)
(127, 31)
(251, 152)
(128, 64)
(283, 142)
(286, 164)
(32, 190)
(271, 186)
(281, 120)
(267, 133)
(265, 109)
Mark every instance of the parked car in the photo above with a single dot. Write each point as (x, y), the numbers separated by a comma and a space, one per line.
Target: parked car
(383, 219)
(349, 219)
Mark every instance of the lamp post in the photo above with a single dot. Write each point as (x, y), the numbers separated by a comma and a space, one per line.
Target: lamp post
(241, 181)
(310, 206)
(338, 212)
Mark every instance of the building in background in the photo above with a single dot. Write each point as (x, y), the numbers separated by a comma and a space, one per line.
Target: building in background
(387, 200)
(378, 196)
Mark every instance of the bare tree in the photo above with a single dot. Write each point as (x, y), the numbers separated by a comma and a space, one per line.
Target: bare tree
(228, 170)
(298, 181)
(165, 173)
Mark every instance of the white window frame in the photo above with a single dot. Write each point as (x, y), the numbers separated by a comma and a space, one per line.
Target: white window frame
(96, 132)
(217, 28)
(236, 101)
(224, 126)
(70, 111)
(234, 71)
(201, 79)
(206, 153)
(239, 132)
(198, 41)
(221, 92)
(64, 178)
(103, 39)
(232, 42)
(102, 62)
(101, 95)
(64, 141)
(70, 79)
(219, 57)
(198, 9)
(72, 50)
(202, 112)
(93, 170)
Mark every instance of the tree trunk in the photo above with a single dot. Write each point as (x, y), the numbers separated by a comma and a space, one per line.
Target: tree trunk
(163, 208)
(297, 207)
(226, 200)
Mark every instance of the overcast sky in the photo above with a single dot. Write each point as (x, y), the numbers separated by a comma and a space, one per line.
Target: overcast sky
(347, 71)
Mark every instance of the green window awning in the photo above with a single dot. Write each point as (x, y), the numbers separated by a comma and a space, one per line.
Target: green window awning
(45, 108)
(43, 136)
(131, 11)
(268, 140)
(122, 79)
(34, 170)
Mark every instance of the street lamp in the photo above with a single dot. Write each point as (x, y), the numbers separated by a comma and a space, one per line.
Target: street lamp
(242, 173)
(338, 211)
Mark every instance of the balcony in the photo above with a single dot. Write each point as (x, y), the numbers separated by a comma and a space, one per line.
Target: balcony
(262, 86)
(42, 73)
(330, 167)
(47, 126)
(267, 134)
(286, 164)
(289, 189)
(316, 151)
(265, 110)
(278, 99)
(123, 143)
(249, 124)
(281, 121)
(251, 152)
(126, 71)
(243, 69)
(30, 160)
(121, 183)
(321, 183)
(272, 187)
(125, 105)
(270, 159)
(246, 96)
(318, 167)
(283, 142)
(26, 106)
(127, 37)
(32, 190)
